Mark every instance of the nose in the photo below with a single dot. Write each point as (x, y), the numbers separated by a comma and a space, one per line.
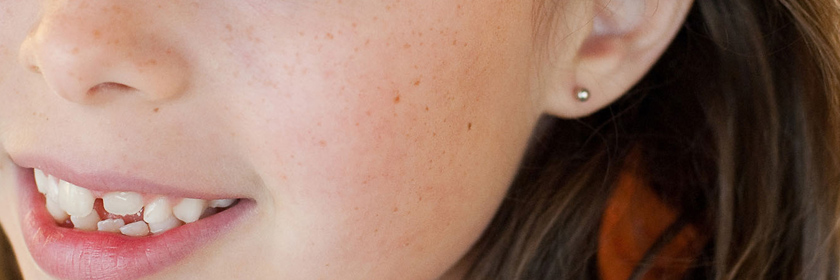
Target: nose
(94, 51)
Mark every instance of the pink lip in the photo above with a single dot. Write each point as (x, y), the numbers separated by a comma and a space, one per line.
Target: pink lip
(72, 254)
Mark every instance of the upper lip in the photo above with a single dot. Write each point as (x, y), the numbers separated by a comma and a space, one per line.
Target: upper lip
(109, 181)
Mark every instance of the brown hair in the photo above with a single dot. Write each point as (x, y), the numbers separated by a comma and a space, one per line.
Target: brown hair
(8, 266)
(736, 127)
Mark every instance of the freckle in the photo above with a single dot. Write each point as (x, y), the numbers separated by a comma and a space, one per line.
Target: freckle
(302, 33)
(396, 209)
(75, 51)
(469, 126)
(357, 124)
(406, 46)
(329, 36)
(354, 25)
(417, 83)
(156, 110)
(228, 27)
(322, 143)
(454, 42)
(367, 113)
(427, 108)
(97, 34)
(397, 99)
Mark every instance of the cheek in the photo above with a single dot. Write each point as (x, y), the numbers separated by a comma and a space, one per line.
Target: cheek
(400, 140)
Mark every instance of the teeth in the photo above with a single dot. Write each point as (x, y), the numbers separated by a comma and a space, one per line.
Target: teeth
(68, 203)
(87, 222)
(41, 181)
(157, 211)
(221, 203)
(122, 203)
(52, 188)
(136, 229)
(189, 209)
(75, 200)
(162, 227)
(110, 225)
(56, 212)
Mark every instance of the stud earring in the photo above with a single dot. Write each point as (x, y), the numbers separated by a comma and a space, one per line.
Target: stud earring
(583, 94)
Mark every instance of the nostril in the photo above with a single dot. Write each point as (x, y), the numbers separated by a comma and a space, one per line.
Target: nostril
(108, 87)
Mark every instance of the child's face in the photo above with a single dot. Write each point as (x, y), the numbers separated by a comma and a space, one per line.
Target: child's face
(371, 139)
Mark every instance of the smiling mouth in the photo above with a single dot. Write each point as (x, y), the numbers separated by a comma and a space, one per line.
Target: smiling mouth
(127, 213)
(103, 232)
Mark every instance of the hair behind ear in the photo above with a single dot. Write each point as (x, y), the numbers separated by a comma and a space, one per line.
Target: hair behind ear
(739, 133)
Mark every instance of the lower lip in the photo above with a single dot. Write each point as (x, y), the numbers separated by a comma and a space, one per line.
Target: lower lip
(72, 254)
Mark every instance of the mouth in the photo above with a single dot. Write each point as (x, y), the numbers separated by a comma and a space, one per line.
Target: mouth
(77, 228)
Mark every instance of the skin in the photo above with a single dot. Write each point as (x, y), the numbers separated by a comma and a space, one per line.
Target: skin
(377, 138)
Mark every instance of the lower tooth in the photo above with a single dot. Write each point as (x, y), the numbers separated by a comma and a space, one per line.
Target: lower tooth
(135, 229)
(164, 226)
(87, 222)
(110, 225)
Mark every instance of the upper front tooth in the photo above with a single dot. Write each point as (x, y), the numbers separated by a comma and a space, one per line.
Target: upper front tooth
(56, 212)
(41, 181)
(52, 188)
(189, 209)
(157, 211)
(75, 200)
(161, 227)
(122, 203)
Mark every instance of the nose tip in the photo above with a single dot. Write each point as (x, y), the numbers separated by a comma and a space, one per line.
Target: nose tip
(95, 58)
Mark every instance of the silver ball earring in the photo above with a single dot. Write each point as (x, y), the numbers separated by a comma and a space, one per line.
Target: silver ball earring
(582, 94)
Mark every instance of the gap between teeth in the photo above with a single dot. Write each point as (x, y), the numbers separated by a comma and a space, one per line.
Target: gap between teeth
(147, 216)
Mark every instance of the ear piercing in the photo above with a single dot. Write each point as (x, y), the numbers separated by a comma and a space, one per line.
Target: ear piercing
(582, 94)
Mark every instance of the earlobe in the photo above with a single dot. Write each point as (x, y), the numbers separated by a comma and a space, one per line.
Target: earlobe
(624, 39)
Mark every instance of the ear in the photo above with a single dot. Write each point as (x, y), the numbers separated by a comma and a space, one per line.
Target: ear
(604, 46)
